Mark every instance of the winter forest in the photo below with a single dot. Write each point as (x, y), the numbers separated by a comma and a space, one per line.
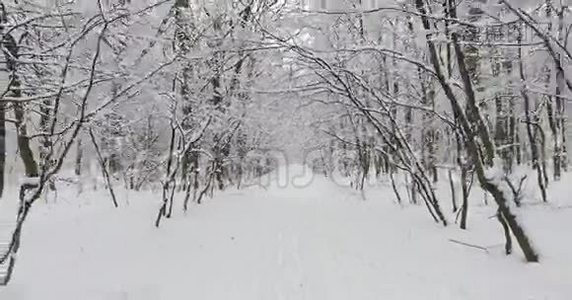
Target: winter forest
(285, 149)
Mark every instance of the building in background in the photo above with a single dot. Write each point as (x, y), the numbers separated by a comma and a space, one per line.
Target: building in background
(342, 4)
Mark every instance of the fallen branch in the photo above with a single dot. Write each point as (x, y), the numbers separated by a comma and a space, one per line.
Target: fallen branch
(470, 245)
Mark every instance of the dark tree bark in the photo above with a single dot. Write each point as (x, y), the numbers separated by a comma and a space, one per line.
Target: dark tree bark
(2, 147)
(531, 122)
(11, 54)
(506, 230)
(453, 190)
(474, 128)
(78, 158)
(169, 174)
(103, 166)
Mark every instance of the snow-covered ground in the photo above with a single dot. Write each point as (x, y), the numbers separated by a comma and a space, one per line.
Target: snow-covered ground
(308, 240)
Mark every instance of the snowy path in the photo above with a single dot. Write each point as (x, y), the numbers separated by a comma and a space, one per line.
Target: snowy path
(318, 242)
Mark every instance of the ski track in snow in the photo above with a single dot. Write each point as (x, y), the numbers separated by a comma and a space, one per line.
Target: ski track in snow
(318, 242)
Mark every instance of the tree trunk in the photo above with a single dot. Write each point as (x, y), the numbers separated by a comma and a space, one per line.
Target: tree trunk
(26, 153)
(2, 147)
(78, 165)
(10, 49)
(453, 190)
(482, 153)
(103, 165)
(531, 121)
(78, 158)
